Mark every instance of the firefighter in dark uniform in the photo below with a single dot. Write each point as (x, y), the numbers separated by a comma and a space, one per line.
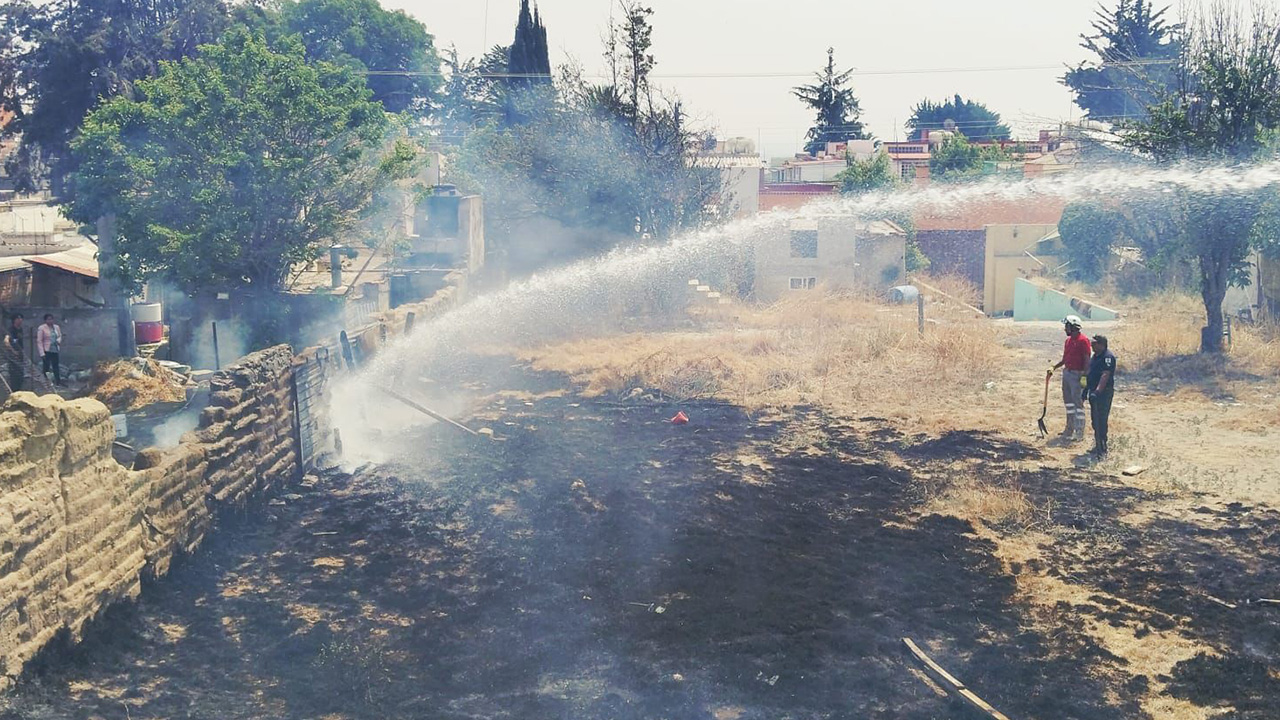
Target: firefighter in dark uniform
(1100, 387)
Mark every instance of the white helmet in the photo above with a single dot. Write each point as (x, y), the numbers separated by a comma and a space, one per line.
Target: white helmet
(1073, 321)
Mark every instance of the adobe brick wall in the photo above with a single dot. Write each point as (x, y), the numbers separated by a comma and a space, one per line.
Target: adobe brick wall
(78, 531)
(71, 540)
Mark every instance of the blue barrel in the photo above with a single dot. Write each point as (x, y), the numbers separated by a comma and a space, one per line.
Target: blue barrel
(903, 294)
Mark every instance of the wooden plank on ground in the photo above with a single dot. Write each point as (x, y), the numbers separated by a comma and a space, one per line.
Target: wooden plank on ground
(429, 412)
(955, 685)
(1133, 470)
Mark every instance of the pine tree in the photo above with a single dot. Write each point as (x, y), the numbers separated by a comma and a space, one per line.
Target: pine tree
(1137, 52)
(838, 111)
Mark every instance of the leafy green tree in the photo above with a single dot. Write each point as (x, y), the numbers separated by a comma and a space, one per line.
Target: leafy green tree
(839, 114)
(61, 58)
(972, 119)
(395, 50)
(1137, 57)
(1089, 230)
(958, 159)
(1226, 108)
(233, 165)
(473, 92)
(874, 173)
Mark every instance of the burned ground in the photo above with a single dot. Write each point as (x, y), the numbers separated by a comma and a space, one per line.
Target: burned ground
(598, 562)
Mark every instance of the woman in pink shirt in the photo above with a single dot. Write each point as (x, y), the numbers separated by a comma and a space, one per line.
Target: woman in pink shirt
(49, 347)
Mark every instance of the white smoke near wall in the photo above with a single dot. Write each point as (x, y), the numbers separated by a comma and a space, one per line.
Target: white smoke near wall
(169, 433)
(233, 344)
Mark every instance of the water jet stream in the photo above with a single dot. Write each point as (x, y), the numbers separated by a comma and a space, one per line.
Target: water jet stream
(577, 300)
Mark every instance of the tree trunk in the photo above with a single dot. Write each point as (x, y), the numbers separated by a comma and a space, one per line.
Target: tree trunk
(113, 294)
(1213, 289)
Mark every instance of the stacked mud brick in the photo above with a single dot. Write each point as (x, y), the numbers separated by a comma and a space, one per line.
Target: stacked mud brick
(70, 537)
(78, 530)
(248, 429)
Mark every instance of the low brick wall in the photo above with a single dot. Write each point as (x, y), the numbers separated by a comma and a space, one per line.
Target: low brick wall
(78, 531)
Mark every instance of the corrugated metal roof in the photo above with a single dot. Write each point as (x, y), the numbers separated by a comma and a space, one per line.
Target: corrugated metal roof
(33, 219)
(12, 263)
(81, 261)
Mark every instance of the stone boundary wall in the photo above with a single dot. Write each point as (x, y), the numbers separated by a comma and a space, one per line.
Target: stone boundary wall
(78, 531)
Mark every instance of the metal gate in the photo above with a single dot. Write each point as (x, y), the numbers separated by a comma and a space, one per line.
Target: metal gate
(308, 394)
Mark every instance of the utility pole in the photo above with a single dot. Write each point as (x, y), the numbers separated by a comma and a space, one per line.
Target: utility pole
(113, 295)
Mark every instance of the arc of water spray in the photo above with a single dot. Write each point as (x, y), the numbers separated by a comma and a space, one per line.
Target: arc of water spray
(574, 300)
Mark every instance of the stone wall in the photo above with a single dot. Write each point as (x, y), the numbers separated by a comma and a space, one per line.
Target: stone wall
(78, 531)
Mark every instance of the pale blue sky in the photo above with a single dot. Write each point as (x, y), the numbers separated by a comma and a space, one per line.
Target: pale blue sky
(1005, 53)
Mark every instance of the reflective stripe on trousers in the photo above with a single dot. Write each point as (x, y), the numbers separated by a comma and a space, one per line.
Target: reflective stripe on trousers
(1073, 400)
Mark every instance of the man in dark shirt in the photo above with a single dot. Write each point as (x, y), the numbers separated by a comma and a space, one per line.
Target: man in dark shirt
(1101, 385)
(13, 353)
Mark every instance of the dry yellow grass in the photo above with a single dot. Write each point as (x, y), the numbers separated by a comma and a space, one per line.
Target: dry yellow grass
(123, 385)
(844, 352)
(973, 497)
(1167, 328)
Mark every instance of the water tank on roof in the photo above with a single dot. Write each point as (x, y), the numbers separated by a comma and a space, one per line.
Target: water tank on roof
(442, 212)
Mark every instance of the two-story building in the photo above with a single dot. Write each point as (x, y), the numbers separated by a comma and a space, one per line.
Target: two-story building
(833, 252)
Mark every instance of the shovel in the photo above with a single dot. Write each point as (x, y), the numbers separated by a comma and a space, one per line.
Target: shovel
(1044, 431)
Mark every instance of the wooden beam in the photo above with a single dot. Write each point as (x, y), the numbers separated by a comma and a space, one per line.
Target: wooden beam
(956, 300)
(955, 685)
(429, 412)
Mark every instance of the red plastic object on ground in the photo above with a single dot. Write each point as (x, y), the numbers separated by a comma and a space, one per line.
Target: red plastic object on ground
(680, 419)
(148, 332)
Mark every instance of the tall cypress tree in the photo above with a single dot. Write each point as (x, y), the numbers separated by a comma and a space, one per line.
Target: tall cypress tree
(530, 60)
(529, 67)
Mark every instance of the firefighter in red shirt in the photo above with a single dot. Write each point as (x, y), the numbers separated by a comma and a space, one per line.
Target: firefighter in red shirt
(1076, 352)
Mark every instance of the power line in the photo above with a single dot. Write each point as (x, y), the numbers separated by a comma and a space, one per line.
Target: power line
(774, 75)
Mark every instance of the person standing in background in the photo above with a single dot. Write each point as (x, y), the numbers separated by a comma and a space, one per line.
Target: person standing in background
(13, 351)
(49, 347)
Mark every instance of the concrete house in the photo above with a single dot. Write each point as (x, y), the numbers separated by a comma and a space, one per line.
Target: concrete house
(830, 252)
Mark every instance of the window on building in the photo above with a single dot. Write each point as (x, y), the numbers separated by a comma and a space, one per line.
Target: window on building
(804, 243)
(804, 283)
